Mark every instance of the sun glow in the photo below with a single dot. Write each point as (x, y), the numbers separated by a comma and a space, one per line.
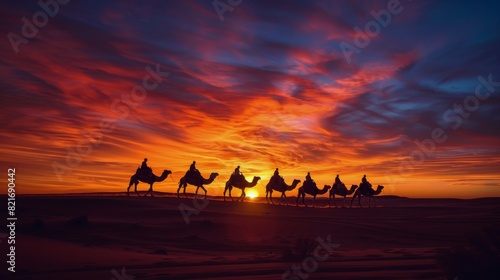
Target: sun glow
(252, 194)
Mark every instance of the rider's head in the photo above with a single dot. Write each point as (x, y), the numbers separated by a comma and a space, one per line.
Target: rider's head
(194, 162)
(337, 175)
(145, 159)
(364, 175)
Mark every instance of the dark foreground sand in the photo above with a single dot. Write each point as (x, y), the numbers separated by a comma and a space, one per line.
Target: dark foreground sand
(90, 236)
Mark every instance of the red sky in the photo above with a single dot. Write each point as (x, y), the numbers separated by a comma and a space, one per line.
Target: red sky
(269, 86)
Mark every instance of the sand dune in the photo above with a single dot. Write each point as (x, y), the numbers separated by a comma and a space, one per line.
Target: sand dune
(89, 236)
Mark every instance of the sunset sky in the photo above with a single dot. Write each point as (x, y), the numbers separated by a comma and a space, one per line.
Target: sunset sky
(270, 85)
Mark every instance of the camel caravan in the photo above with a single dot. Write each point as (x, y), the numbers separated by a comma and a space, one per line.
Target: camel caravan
(276, 183)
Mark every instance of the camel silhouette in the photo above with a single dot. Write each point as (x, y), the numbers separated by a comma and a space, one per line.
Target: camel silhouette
(312, 189)
(280, 186)
(367, 192)
(196, 180)
(340, 189)
(239, 181)
(146, 177)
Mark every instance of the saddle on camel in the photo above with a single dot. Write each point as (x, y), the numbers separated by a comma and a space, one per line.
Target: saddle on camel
(144, 169)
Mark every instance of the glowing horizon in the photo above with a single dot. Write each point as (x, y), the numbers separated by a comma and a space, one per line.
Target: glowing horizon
(269, 87)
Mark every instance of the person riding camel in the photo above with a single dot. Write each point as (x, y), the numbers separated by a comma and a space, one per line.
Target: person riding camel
(146, 169)
(144, 164)
(276, 177)
(237, 171)
(308, 177)
(309, 181)
(337, 181)
(364, 183)
(192, 169)
(237, 174)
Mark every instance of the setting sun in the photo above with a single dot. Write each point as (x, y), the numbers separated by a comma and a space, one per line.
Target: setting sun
(252, 194)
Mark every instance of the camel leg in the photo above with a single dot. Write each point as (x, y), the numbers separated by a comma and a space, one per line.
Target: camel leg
(150, 190)
(353, 197)
(344, 203)
(283, 196)
(359, 201)
(241, 196)
(286, 198)
(314, 200)
(135, 188)
(230, 196)
(201, 186)
(228, 188)
(133, 180)
(304, 199)
(185, 186)
(178, 189)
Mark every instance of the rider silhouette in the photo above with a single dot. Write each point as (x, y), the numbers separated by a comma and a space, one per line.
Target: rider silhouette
(237, 176)
(308, 177)
(237, 171)
(364, 183)
(144, 164)
(276, 177)
(147, 170)
(337, 181)
(309, 183)
(192, 168)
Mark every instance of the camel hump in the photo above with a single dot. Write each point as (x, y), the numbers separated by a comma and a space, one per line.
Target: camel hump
(143, 172)
(193, 174)
(237, 178)
(310, 185)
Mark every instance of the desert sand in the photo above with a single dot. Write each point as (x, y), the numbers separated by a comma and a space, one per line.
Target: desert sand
(108, 236)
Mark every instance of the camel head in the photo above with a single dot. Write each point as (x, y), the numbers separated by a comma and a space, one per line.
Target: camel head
(379, 190)
(214, 175)
(166, 172)
(324, 190)
(354, 186)
(294, 184)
